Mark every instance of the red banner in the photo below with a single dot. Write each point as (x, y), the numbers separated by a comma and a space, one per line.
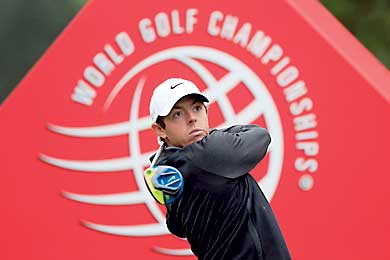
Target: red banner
(76, 132)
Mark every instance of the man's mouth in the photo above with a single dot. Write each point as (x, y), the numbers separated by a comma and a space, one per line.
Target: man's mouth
(196, 132)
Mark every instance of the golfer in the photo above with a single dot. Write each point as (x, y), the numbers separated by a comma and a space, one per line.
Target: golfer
(221, 209)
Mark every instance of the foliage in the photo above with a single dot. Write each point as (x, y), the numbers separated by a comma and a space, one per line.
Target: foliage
(27, 28)
(368, 20)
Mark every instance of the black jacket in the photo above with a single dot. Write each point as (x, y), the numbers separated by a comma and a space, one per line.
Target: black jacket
(222, 211)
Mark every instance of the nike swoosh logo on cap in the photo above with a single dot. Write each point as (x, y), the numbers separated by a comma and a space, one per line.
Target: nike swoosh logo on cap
(172, 87)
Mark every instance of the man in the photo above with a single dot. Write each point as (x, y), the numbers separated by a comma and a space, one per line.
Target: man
(221, 210)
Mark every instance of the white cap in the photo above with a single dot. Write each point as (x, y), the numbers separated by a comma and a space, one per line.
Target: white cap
(168, 93)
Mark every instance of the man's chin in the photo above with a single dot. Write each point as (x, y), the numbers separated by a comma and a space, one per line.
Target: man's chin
(193, 140)
(198, 138)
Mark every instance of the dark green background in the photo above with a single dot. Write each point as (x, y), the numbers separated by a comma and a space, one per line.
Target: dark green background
(27, 28)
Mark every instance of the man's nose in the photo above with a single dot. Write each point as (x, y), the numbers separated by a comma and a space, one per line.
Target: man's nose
(191, 117)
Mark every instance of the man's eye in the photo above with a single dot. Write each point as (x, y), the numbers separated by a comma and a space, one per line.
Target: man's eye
(197, 108)
(177, 114)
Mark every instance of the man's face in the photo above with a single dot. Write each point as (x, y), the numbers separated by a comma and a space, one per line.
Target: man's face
(185, 124)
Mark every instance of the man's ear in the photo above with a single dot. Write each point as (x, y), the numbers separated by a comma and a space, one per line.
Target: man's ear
(159, 130)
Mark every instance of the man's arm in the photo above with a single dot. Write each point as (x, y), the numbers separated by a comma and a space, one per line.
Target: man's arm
(230, 152)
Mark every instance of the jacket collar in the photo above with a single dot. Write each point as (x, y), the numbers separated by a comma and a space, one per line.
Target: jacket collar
(167, 151)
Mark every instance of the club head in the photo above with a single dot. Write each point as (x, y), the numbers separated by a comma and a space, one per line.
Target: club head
(165, 183)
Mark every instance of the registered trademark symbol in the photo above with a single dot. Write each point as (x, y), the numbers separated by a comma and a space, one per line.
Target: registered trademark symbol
(306, 182)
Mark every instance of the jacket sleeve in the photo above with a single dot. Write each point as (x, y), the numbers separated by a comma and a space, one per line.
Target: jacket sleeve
(230, 152)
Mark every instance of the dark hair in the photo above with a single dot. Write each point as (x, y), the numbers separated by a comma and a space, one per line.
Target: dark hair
(160, 121)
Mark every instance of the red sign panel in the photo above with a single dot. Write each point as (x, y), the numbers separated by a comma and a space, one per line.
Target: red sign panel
(76, 132)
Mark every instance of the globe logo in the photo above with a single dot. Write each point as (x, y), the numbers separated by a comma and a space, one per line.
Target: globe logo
(262, 105)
